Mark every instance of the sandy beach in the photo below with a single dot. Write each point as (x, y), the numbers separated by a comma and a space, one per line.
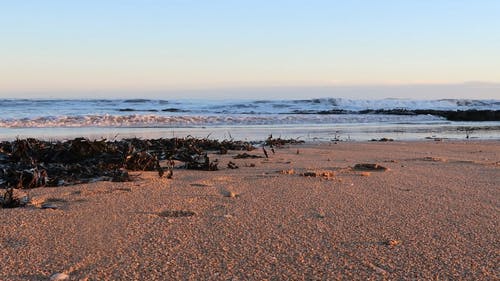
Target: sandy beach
(302, 214)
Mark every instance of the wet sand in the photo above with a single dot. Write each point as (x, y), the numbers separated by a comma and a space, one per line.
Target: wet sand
(433, 215)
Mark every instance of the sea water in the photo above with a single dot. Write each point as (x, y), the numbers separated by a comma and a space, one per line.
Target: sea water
(239, 119)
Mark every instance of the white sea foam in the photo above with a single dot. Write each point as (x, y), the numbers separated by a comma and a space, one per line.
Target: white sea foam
(150, 120)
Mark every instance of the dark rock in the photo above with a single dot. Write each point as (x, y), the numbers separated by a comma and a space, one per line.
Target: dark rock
(452, 115)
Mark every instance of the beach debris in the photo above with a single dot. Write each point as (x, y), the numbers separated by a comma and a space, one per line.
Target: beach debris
(468, 131)
(125, 189)
(369, 167)
(229, 194)
(222, 150)
(320, 215)
(435, 138)
(176, 213)
(365, 174)
(246, 156)
(383, 140)
(265, 152)
(328, 175)
(201, 162)
(53, 203)
(199, 185)
(434, 159)
(288, 172)
(59, 277)
(378, 269)
(170, 169)
(30, 163)
(232, 165)
(120, 175)
(142, 161)
(169, 174)
(13, 199)
(393, 242)
(49, 205)
(323, 174)
(279, 142)
(309, 174)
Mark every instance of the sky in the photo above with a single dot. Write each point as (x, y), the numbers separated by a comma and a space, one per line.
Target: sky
(250, 48)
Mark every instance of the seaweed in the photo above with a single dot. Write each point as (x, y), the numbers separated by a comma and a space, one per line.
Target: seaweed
(383, 140)
(369, 167)
(10, 200)
(246, 156)
(279, 142)
(232, 165)
(265, 152)
(176, 213)
(30, 163)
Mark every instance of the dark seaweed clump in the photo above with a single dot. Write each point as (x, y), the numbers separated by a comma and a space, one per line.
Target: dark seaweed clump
(30, 163)
(279, 142)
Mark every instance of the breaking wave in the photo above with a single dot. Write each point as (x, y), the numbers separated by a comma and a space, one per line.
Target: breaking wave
(151, 121)
(40, 113)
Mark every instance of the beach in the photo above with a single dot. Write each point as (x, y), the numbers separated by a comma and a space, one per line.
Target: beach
(304, 213)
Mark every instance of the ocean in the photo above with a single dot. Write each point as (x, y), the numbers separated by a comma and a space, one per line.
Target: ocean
(324, 119)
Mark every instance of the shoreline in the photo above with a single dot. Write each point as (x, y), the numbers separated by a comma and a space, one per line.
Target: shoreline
(432, 214)
(309, 133)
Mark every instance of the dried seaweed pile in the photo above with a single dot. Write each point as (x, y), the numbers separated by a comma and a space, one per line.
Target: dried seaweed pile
(29, 163)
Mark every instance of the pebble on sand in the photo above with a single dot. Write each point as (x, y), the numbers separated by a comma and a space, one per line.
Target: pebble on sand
(49, 205)
(228, 193)
(59, 277)
(393, 242)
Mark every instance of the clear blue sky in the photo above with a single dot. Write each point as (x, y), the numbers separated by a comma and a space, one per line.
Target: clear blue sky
(68, 48)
